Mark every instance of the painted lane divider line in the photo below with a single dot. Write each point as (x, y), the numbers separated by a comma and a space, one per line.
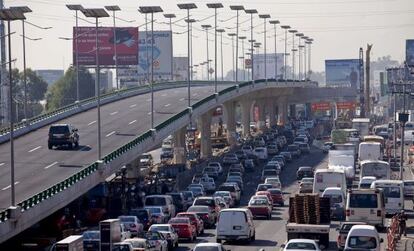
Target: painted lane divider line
(49, 166)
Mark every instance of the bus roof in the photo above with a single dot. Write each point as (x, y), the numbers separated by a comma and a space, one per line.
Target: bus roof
(360, 120)
(384, 182)
(329, 171)
(374, 161)
(373, 137)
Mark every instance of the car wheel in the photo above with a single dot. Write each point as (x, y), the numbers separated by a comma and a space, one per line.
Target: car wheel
(176, 244)
(77, 144)
(218, 240)
(50, 146)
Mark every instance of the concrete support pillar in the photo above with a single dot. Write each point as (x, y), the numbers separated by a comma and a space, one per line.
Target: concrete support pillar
(205, 130)
(283, 111)
(292, 110)
(245, 116)
(272, 112)
(180, 153)
(261, 124)
(230, 120)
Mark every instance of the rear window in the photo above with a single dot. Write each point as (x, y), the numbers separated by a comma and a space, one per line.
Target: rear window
(365, 242)
(391, 192)
(292, 148)
(259, 150)
(408, 183)
(179, 220)
(363, 200)
(300, 246)
(195, 209)
(269, 172)
(127, 219)
(274, 192)
(228, 188)
(155, 201)
(204, 202)
(59, 129)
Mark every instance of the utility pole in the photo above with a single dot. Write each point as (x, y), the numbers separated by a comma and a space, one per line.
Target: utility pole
(367, 85)
(361, 83)
(4, 104)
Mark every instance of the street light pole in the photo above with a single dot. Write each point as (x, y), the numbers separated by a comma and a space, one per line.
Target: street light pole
(304, 57)
(170, 17)
(309, 42)
(115, 8)
(221, 53)
(251, 12)
(275, 22)
(191, 21)
(215, 6)
(237, 8)
(299, 35)
(293, 54)
(11, 15)
(265, 16)
(206, 27)
(97, 13)
(242, 38)
(188, 7)
(232, 35)
(285, 27)
(76, 8)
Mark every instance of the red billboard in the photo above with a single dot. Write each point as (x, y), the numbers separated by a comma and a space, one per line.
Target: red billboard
(321, 106)
(126, 45)
(350, 105)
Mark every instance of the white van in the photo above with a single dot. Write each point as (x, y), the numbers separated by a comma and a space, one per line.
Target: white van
(261, 153)
(365, 205)
(235, 224)
(393, 191)
(363, 237)
(329, 178)
(164, 201)
(337, 201)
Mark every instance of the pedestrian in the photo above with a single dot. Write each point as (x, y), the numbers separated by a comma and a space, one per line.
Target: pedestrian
(402, 217)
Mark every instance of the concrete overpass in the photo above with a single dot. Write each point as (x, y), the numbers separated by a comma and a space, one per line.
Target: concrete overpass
(47, 180)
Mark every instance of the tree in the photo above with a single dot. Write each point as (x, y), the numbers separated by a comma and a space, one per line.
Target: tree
(63, 92)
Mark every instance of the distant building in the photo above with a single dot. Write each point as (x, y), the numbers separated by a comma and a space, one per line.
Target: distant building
(106, 80)
(50, 76)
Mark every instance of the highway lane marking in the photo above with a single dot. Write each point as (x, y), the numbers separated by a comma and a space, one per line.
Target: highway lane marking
(91, 123)
(49, 166)
(7, 187)
(2, 164)
(113, 113)
(34, 149)
(132, 106)
(110, 134)
(167, 105)
(182, 99)
(132, 122)
(149, 113)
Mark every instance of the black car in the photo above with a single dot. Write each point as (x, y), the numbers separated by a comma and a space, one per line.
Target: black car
(144, 216)
(179, 201)
(304, 172)
(248, 165)
(63, 134)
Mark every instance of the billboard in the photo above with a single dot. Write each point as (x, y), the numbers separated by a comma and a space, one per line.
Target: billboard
(343, 72)
(258, 62)
(321, 106)
(126, 45)
(346, 105)
(409, 52)
(162, 55)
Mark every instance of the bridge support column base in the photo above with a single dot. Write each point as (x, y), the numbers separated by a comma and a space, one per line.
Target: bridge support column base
(230, 121)
(246, 106)
(15, 213)
(180, 156)
(205, 128)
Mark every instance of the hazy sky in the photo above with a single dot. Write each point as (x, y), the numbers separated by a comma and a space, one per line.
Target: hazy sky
(339, 27)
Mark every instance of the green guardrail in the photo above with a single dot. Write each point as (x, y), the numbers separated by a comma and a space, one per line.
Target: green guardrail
(73, 179)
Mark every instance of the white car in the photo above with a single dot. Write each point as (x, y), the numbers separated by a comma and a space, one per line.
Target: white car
(209, 247)
(157, 240)
(169, 233)
(300, 245)
(131, 224)
(366, 181)
(261, 153)
(274, 181)
(216, 165)
(363, 237)
(139, 244)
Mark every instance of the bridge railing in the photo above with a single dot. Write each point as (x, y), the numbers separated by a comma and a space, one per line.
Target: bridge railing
(85, 172)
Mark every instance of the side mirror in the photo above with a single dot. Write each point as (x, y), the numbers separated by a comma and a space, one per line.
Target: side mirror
(283, 245)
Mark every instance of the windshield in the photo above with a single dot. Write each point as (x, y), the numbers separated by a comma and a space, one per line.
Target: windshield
(334, 198)
(367, 242)
(206, 249)
(292, 148)
(91, 235)
(204, 202)
(180, 220)
(121, 247)
(154, 210)
(258, 202)
(391, 192)
(59, 129)
(160, 228)
(155, 201)
(127, 219)
(363, 201)
(198, 209)
(300, 245)
(228, 188)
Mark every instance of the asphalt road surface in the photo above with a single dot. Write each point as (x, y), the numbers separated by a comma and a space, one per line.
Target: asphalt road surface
(37, 167)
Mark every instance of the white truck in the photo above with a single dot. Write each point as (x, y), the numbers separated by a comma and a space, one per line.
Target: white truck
(362, 125)
(343, 160)
(71, 243)
(377, 168)
(370, 151)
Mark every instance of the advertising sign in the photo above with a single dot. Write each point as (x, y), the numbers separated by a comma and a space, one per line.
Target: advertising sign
(258, 62)
(345, 105)
(321, 106)
(162, 55)
(409, 52)
(126, 45)
(343, 72)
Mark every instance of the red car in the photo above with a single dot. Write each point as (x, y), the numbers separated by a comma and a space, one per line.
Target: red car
(184, 228)
(277, 196)
(195, 221)
(260, 206)
(268, 195)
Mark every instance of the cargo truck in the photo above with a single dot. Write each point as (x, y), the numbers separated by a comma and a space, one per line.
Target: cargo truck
(309, 218)
(343, 160)
(71, 243)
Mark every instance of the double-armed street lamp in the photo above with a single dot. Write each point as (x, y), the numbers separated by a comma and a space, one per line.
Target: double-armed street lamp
(237, 8)
(264, 17)
(275, 23)
(215, 6)
(170, 17)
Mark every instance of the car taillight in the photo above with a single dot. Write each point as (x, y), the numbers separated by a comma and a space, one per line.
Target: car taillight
(348, 212)
(379, 213)
(133, 225)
